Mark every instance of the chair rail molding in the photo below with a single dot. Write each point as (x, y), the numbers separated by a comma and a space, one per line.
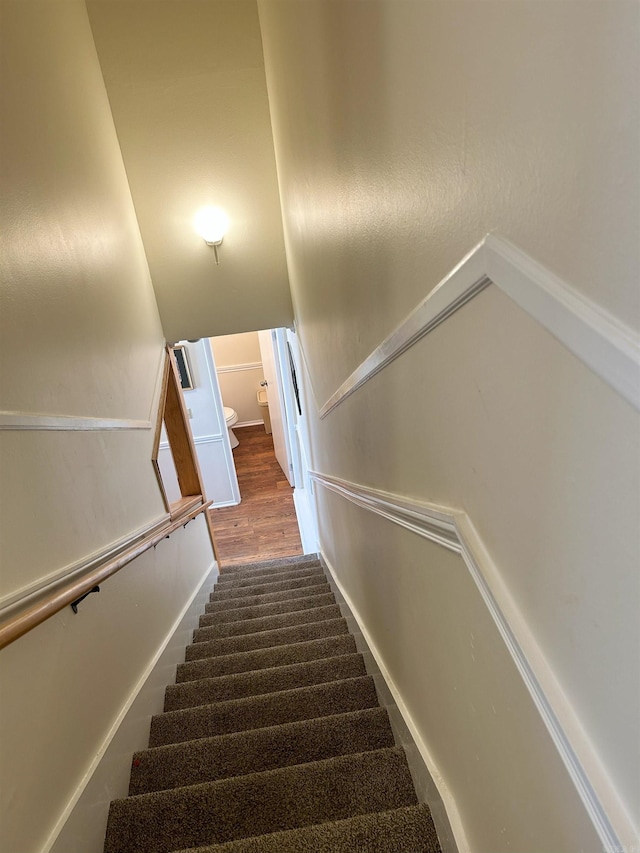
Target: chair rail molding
(600, 341)
(236, 368)
(454, 530)
(66, 423)
(81, 423)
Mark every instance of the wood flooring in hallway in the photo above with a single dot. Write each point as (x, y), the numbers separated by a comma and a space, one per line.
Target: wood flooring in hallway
(264, 524)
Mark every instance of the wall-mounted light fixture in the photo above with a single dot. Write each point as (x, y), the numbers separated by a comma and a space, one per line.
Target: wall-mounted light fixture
(211, 224)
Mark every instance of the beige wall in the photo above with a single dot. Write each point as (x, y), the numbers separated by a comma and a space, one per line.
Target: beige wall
(81, 343)
(186, 84)
(79, 330)
(239, 386)
(231, 350)
(404, 133)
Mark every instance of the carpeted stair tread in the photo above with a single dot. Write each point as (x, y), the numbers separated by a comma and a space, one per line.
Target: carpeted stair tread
(342, 644)
(238, 686)
(266, 598)
(270, 709)
(276, 563)
(272, 739)
(208, 759)
(210, 629)
(290, 797)
(266, 639)
(241, 581)
(269, 571)
(260, 588)
(406, 830)
(271, 574)
(257, 610)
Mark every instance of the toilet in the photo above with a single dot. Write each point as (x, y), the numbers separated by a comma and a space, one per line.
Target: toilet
(231, 418)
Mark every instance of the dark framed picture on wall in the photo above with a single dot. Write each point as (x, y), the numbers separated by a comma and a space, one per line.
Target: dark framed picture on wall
(182, 362)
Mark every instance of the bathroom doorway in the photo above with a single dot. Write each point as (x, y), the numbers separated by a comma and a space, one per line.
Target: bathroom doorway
(256, 377)
(264, 525)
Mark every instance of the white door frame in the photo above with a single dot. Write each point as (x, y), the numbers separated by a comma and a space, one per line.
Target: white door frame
(224, 432)
(298, 439)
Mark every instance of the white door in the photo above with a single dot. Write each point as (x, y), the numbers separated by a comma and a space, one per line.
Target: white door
(276, 404)
(303, 497)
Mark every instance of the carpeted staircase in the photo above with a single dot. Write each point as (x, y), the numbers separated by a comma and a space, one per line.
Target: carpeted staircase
(272, 739)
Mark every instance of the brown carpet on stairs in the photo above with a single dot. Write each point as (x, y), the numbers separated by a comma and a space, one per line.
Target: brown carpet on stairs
(272, 739)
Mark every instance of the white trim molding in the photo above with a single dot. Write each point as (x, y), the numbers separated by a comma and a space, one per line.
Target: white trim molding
(24, 421)
(452, 529)
(207, 439)
(197, 439)
(236, 368)
(78, 423)
(601, 342)
(440, 799)
(241, 424)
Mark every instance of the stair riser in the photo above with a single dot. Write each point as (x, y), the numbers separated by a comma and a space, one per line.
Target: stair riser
(267, 639)
(217, 603)
(266, 623)
(264, 588)
(297, 796)
(407, 830)
(343, 644)
(252, 580)
(277, 564)
(196, 693)
(323, 700)
(260, 610)
(258, 750)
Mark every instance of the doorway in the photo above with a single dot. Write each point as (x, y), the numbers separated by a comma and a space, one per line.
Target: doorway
(264, 524)
(252, 368)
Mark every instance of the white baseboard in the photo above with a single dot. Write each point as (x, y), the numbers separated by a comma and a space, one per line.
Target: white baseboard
(83, 823)
(222, 504)
(241, 424)
(429, 785)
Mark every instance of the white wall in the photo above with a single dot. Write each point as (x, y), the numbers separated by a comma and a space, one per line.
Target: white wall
(404, 133)
(186, 84)
(208, 427)
(239, 368)
(81, 349)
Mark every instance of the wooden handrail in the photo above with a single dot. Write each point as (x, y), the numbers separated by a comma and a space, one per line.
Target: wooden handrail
(19, 624)
(178, 508)
(172, 411)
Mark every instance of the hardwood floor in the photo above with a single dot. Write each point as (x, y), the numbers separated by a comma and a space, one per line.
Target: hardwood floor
(264, 524)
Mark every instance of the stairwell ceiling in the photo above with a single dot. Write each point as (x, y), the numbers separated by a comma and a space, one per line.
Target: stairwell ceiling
(187, 90)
